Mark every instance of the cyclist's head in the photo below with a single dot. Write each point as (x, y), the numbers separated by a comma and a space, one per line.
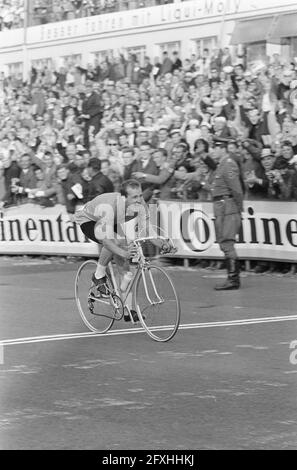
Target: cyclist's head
(132, 191)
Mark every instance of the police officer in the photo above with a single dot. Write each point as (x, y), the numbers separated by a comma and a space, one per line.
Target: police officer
(227, 193)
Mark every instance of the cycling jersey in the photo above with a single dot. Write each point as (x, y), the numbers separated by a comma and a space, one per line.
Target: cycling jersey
(115, 218)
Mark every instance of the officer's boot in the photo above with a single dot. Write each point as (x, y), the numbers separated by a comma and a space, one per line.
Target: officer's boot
(234, 274)
(233, 281)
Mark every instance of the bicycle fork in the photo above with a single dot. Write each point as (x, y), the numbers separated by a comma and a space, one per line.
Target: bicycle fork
(159, 299)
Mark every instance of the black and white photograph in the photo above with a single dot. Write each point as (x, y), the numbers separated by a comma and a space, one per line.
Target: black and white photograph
(148, 228)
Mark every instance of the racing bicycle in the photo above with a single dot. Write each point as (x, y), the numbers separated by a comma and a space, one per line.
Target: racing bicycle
(154, 297)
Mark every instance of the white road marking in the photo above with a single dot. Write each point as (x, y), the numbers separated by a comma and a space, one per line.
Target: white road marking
(32, 263)
(251, 346)
(189, 326)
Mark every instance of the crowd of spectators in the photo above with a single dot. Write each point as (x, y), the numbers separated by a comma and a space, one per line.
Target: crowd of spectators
(68, 135)
(11, 14)
(48, 11)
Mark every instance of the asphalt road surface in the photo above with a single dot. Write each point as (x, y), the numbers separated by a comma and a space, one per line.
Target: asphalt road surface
(224, 382)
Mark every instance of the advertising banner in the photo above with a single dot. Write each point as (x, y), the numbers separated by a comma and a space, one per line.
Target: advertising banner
(268, 231)
(32, 229)
(172, 13)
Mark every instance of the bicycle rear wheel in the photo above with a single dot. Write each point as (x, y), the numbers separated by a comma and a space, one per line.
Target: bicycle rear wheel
(157, 303)
(96, 313)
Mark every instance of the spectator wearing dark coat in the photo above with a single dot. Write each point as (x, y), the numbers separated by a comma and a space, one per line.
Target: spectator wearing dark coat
(133, 70)
(61, 77)
(253, 172)
(48, 166)
(69, 188)
(276, 183)
(128, 156)
(99, 183)
(38, 100)
(177, 63)
(167, 64)
(117, 69)
(146, 69)
(292, 187)
(91, 112)
(282, 162)
(216, 59)
(156, 71)
(27, 179)
(45, 192)
(257, 126)
(145, 165)
(11, 171)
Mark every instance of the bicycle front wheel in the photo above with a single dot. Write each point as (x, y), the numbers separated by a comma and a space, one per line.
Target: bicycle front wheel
(96, 313)
(157, 303)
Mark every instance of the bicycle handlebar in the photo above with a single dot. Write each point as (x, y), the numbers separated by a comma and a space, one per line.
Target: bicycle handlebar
(172, 250)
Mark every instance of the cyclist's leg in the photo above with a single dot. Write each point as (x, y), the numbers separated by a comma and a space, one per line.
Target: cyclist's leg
(106, 255)
(96, 232)
(91, 231)
(104, 258)
(123, 267)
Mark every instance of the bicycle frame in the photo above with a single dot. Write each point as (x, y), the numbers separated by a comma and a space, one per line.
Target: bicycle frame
(143, 263)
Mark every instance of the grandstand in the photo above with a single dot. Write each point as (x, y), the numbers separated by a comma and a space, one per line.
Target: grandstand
(34, 32)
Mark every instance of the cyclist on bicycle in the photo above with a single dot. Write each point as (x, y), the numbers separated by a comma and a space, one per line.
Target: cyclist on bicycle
(103, 220)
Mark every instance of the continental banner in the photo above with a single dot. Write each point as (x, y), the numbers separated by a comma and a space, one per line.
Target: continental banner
(268, 232)
(32, 229)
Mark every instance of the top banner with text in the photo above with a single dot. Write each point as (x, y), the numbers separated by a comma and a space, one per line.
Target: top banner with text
(172, 13)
